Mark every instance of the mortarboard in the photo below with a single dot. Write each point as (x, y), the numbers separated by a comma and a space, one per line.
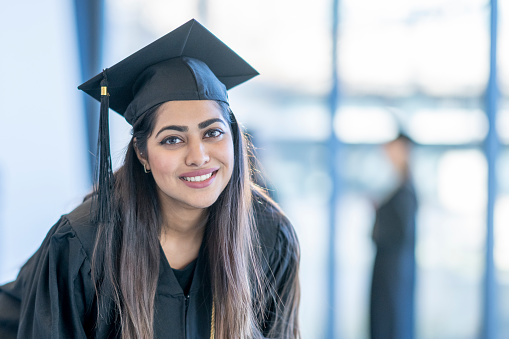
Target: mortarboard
(189, 63)
(216, 61)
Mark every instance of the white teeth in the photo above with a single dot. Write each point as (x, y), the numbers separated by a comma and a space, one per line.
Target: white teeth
(198, 178)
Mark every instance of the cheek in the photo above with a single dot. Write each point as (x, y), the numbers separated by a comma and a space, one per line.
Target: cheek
(162, 163)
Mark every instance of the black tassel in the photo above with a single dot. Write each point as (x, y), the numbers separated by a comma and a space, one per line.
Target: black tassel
(104, 175)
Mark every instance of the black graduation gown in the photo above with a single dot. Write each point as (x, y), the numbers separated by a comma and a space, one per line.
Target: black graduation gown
(392, 290)
(54, 297)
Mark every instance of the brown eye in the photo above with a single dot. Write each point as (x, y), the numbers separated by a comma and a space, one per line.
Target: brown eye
(172, 140)
(213, 133)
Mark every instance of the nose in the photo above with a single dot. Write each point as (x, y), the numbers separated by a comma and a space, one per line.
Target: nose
(197, 154)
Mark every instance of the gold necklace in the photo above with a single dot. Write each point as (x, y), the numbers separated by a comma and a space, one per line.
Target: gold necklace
(213, 318)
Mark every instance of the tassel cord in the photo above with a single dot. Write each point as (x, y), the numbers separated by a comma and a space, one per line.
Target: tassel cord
(104, 175)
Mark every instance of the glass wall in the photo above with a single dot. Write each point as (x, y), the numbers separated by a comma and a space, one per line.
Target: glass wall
(421, 66)
(502, 207)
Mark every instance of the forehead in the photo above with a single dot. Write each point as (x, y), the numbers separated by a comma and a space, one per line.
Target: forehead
(187, 113)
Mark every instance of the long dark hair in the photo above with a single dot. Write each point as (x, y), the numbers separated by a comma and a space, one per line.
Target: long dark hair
(231, 242)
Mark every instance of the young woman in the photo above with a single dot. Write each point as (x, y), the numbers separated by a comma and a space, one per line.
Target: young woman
(178, 243)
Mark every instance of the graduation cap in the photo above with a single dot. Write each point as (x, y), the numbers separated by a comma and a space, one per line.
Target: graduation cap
(189, 63)
(216, 65)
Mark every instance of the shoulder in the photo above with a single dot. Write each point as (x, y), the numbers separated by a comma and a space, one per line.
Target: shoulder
(276, 232)
(405, 194)
(54, 279)
(61, 251)
(71, 239)
(79, 223)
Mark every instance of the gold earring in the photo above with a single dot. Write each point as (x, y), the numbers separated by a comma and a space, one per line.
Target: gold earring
(145, 169)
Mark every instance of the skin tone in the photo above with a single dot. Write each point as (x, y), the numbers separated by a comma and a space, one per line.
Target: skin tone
(190, 156)
(398, 152)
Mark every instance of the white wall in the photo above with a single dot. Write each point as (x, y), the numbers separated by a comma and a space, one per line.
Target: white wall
(42, 158)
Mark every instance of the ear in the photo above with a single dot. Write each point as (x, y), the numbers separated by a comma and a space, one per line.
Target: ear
(141, 156)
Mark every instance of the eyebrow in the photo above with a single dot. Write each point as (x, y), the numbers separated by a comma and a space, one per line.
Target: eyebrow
(209, 122)
(173, 127)
(201, 125)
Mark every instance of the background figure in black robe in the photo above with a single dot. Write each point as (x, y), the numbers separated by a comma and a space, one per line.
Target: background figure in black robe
(392, 290)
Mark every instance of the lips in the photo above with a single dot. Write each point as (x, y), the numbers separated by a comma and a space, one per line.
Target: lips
(199, 178)
(198, 173)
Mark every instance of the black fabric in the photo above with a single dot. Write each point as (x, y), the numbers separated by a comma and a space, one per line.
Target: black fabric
(185, 276)
(392, 290)
(180, 78)
(224, 68)
(54, 297)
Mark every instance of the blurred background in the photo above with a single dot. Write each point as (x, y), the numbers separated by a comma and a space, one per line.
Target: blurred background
(338, 79)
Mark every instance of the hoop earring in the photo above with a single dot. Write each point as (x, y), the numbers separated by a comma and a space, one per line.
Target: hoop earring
(145, 169)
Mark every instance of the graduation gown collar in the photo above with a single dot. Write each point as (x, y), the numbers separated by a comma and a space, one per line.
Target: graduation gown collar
(179, 315)
(168, 283)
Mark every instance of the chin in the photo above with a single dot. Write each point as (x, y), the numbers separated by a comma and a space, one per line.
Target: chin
(202, 203)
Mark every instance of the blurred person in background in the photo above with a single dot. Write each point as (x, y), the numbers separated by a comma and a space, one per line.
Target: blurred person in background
(392, 289)
(179, 242)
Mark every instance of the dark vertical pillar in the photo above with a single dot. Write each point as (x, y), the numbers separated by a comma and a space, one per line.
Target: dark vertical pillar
(90, 28)
(334, 147)
(489, 321)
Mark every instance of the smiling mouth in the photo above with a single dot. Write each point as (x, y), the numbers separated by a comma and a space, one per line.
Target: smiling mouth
(199, 178)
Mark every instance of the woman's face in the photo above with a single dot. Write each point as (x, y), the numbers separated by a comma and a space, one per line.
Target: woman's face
(190, 153)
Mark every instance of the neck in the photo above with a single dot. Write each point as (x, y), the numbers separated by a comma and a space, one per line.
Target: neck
(403, 170)
(182, 233)
(183, 223)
